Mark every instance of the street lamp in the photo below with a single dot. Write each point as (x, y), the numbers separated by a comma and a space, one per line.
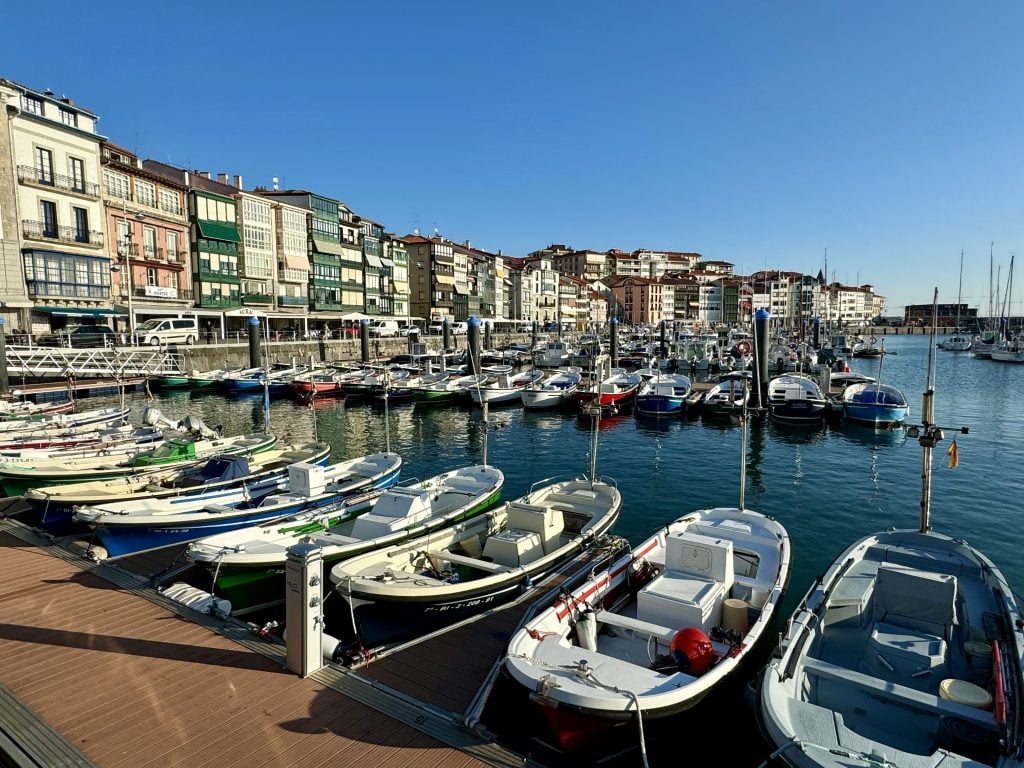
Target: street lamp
(127, 253)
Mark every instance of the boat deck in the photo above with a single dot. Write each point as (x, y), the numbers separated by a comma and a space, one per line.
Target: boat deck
(90, 647)
(129, 678)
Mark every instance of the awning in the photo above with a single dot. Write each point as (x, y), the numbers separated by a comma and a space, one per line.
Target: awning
(214, 230)
(444, 279)
(461, 289)
(374, 261)
(355, 316)
(387, 262)
(297, 262)
(326, 246)
(79, 311)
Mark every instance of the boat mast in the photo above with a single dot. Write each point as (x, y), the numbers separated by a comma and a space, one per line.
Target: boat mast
(743, 442)
(928, 437)
(959, 292)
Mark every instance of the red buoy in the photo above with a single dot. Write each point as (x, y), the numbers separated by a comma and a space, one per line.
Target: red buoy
(692, 651)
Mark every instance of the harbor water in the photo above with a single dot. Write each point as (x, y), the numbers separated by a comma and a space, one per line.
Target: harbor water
(828, 485)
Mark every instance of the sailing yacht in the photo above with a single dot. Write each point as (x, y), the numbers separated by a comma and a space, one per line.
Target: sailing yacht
(958, 342)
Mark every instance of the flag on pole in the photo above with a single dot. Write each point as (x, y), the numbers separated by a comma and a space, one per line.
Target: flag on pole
(954, 457)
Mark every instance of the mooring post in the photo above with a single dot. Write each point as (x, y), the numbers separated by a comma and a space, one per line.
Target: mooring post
(613, 341)
(254, 342)
(364, 340)
(473, 344)
(446, 335)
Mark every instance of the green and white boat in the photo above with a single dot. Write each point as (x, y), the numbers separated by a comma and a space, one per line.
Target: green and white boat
(249, 564)
(17, 480)
(447, 391)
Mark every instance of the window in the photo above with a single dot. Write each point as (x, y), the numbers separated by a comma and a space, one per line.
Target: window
(170, 201)
(48, 212)
(172, 246)
(149, 242)
(145, 193)
(44, 165)
(116, 185)
(53, 274)
(68, 117)
(76, 170)
(151, 276)
(32, 104)
(81, 225)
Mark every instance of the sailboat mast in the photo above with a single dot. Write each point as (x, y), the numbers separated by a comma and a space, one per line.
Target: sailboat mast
(959, 292)
(927, 414)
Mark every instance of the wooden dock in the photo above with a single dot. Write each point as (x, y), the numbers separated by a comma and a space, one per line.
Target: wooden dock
(130, 679)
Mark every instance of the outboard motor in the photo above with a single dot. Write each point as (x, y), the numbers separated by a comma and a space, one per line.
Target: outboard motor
(152, 417)
(195, 425)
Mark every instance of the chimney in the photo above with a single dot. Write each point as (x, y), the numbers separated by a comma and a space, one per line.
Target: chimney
(238, 182)
(223, 178)
(186, 178)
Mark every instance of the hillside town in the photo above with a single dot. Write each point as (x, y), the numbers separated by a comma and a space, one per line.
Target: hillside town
(92, 233)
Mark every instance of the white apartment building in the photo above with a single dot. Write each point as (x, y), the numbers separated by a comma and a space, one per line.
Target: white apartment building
(257, 260)
(290, 239)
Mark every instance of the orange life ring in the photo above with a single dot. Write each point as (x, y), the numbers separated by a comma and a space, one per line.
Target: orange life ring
(743, 347)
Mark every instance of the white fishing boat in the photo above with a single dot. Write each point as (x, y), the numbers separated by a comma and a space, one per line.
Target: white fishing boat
(505, 388)
(459, 571)
(906, 652)
(654, 633)
(553, 391)
(796, 399)
(248, 563)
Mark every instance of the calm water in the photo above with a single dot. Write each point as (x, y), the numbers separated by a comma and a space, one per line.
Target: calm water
(827, 485)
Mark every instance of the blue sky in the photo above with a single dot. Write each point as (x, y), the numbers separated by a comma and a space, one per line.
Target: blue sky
(757, 133)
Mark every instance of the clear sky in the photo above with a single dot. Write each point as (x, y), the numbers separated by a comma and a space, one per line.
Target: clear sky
(760, 133)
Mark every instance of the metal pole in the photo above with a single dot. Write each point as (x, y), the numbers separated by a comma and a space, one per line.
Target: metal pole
(927, 439)
(129, 238)
(613, 341)
(364, 340)
(3, 360)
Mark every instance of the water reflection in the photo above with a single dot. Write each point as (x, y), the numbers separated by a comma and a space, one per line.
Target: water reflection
(865, 434)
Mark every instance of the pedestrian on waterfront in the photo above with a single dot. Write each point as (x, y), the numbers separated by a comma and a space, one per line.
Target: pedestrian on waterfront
(209, 332)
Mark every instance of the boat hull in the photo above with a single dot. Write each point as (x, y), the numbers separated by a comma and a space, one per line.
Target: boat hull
(660, 405)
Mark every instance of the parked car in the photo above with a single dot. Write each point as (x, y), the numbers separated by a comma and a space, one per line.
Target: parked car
(409, 330)
(80, 336)
(383, 328)
(167, 331)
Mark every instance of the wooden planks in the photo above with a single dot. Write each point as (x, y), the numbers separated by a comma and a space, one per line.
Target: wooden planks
(132, 686)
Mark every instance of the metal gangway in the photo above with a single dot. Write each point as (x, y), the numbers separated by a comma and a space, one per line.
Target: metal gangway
(34, 362)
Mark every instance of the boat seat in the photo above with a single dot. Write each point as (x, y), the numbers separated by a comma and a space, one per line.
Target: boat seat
(467, 485)
(901, 655)
(912, 599)
(472, 562)
(911, 697)
(366, 469)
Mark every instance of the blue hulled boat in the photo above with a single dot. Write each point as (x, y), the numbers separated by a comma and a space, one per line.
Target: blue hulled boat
(665, 395)
(874, 403)
(146, 527)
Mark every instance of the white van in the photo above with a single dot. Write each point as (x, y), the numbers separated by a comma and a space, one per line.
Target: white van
(383, 328)
(172, 330)
(460, 329)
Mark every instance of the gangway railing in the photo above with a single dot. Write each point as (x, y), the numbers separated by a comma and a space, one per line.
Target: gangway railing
(102, 362)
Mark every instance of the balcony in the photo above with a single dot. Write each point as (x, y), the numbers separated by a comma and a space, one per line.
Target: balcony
(220, 276)
(152, 253)
(326, 306)
(292, 301)
(41, 177)
(257, 298)
(39, 230)
(40, 288)
(218, 301)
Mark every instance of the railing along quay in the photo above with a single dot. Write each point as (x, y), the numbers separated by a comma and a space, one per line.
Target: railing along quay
(105, 362)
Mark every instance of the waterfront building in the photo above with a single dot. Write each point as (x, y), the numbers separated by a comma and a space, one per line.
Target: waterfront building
(520, 289)
(432, 274)
(258, 258)
(638, 300)
(325, 250)
(292, 249)
(586, 264)
(396, 256)
(58, 268)
(379, 298)
(544, 289)
(350, 259)
(148, 238)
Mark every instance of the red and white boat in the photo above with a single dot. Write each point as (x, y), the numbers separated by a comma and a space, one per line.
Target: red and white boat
(618, 388)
